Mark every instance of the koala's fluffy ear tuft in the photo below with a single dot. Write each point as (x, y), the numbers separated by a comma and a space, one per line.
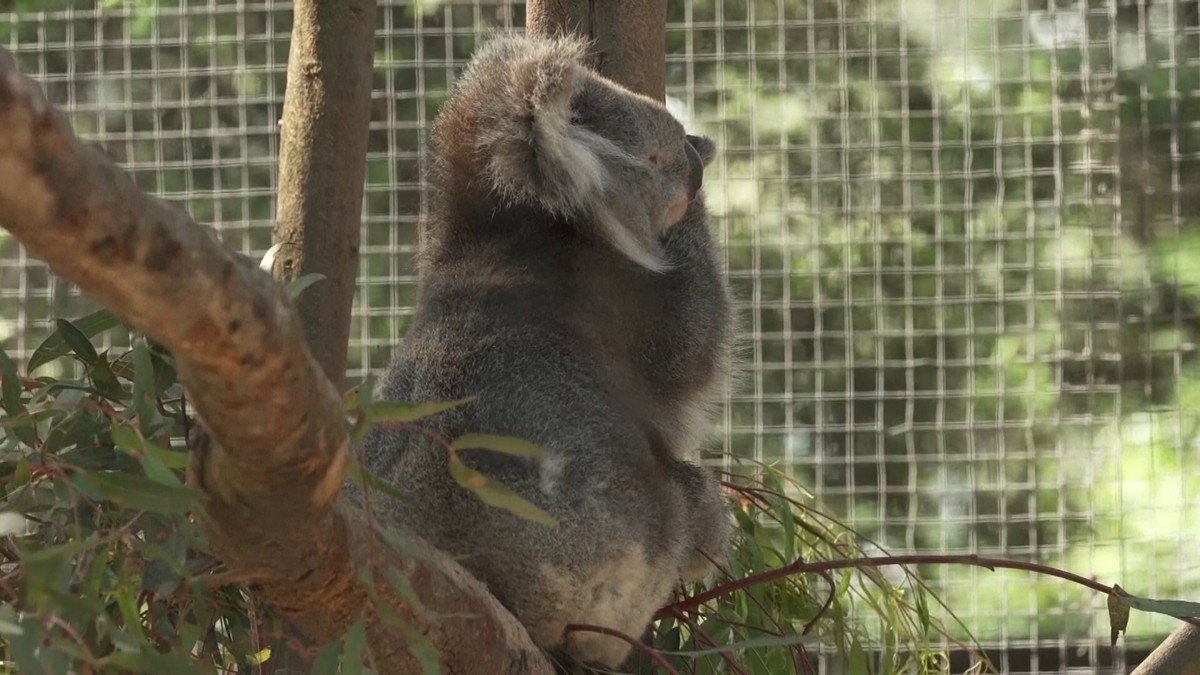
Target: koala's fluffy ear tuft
(704, 147)
(536, 152)
(533, 151)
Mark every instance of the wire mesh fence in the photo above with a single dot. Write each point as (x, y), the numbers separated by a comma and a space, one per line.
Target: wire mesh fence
(964, 236)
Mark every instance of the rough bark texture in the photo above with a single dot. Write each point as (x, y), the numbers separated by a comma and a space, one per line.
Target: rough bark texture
(1179, 654)
(630, 37)
(275, 463)
(322, 166)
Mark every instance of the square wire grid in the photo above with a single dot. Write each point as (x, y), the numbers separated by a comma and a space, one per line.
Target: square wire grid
(962, 235)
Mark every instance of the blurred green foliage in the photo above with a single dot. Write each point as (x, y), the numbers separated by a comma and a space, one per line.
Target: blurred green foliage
(962, 231)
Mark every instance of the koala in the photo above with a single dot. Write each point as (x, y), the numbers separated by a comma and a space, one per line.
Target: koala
(568, 282)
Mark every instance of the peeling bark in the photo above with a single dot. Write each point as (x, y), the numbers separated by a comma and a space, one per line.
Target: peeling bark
(274, 463)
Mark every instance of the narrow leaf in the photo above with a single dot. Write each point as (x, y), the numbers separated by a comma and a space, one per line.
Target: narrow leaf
(352, 648)
(504, 444)
(77, 341)
(144, 391)
(326, 662)
(151, 662)
(54, 347)
(296, 286)
(1180, 609)
(399, 411)
(495, 494)
(18, 419)
(140, 492)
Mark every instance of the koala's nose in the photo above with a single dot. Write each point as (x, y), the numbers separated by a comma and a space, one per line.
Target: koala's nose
(695, 170)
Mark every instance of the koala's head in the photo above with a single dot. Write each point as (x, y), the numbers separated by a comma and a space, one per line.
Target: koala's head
(538, 127)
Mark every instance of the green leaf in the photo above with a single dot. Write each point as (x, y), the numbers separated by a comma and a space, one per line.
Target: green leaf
(1180, 609)
(422, 648)
(139, 492)
(326, 662)
(495, 494)
(151, 662)
(156, 461)
(18, 420)
(54, 346)
(358, 476)
(50, 553)
(296, 286)
(399, 411)
(127, 603)
(77, 341)
(504, 444)
(144, 391)
(105, 380)
(23, 648)
(404, 589)
(352, 648)
(10, 625)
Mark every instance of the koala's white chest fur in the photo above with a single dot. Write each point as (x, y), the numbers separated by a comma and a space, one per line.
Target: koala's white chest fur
(623, 593)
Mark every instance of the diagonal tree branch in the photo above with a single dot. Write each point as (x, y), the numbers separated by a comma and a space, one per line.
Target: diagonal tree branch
(1179, 654)
(275, 465)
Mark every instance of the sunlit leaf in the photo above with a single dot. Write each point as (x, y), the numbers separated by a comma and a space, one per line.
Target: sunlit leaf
(495, 494)
(295, 287)
(503, 444)
(398, 411)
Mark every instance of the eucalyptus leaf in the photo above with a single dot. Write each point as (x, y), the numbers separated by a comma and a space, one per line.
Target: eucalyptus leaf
(398, 411)
(77, 341)
(296, 286)
(507, 445)
(141, 493)
(496, 494)
(54, 346)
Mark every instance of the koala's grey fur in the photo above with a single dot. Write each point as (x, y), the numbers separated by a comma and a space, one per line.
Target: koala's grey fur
(568, 281)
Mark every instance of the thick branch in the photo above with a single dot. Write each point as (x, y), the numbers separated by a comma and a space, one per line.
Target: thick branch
(276, 463)
(1179, 654)
(629, 37)
(322, 165)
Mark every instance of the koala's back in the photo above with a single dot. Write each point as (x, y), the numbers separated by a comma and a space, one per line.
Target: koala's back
(502, 336)
(569, 285)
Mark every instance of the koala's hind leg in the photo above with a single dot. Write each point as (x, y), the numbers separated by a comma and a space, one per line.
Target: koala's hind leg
(708, 519)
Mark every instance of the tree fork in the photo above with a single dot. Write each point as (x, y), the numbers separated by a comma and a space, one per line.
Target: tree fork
(276, 460)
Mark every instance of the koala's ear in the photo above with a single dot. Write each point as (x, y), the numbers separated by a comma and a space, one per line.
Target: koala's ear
(536, 152)
(704, 146)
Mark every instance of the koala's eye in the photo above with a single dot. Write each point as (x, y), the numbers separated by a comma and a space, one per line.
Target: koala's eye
(654, 159)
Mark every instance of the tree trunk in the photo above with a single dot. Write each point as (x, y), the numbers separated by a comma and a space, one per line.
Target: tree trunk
(273, 460)
(629, 37)
(322, 166)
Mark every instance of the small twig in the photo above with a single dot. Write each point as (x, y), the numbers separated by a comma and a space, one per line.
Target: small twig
(801, 567)
(649, 651)
(825, 607)
(707, 639)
